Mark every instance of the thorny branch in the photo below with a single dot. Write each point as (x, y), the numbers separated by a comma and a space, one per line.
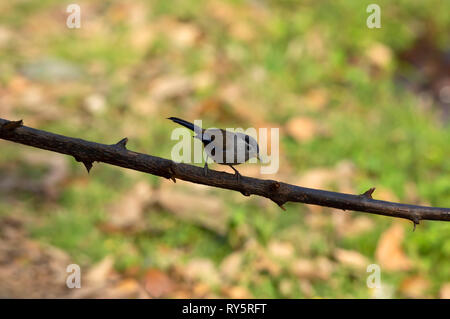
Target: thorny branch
(117, 154)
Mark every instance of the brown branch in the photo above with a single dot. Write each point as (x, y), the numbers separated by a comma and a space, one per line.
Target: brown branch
(117, 154)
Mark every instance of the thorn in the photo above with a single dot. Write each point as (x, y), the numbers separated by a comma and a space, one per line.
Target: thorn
(122, 143)
(172, 177)
(415, 221)
(280, 204)
(11, 125)
(88, 166)
(245, 193)
(368, 193)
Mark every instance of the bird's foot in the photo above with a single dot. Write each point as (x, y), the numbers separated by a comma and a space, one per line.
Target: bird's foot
(205, 169)
(237, 174)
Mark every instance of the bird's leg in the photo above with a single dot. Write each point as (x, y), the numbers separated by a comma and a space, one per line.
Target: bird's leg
(238, 175)
(205, 168)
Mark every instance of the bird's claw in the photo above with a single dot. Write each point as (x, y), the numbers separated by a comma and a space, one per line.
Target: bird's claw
(205, 169)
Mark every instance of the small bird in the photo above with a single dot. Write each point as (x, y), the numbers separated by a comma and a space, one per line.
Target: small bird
(224, 147)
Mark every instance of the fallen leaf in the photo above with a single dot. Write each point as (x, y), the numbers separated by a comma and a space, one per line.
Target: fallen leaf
(180, 34)
(308, 269)
(201, 269)
(348, 226)
(157, 283)
(263, 264)
(389, 252)
(127, 212)
(100, 273)
(286, 287)
(204, 209)
(379, 55)
(316, 99)
(48, 185)
(201, 290)
(445, 291)
(415, 286)
(6, 35)
(281, 250)
(303, 129)
(231, 266)
(351, 258)
(306, 288)
(170, 86)
(126, 288)
(141, 37)
(236, 292)
(95, 103)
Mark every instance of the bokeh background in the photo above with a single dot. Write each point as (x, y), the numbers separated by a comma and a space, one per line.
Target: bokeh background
(356, 108)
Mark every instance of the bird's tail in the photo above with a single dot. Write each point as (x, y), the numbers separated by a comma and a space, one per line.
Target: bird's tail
(187, 124)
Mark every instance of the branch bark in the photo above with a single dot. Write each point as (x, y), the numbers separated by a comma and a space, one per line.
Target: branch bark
(118, 155)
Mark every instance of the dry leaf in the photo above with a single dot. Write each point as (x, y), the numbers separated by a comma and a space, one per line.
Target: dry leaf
(379, 55)
(415, 287)
(236, 292)
(241, 30)
(170, 86)
(157, 283)
(49, 184)
(265, 264)
(182, 35)
(201, 269)
(303, 129)
(281, 250)
(231, 266)
(351, 258)
(127, 212)
(306, 288)
(126, 288)
(389, 252)
(445, 291)
(100, 273)
(95, 103)
(286, 287)
(204, 209)
(349, 226)
(308, 269)
(316, 99)
(141, 37)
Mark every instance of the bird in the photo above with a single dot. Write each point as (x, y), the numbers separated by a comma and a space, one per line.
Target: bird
(222, 146)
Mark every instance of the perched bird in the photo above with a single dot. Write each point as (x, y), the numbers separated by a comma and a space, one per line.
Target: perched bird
(224, 147)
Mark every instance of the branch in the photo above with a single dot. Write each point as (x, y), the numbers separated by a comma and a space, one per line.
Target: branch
(118, 155)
